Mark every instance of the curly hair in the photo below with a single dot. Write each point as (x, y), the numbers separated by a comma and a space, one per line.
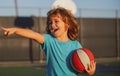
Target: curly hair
(67, 18)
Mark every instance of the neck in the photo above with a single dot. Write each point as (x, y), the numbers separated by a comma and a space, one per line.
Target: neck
(63, 38)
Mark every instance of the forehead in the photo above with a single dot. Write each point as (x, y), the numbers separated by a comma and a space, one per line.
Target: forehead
(55, 16)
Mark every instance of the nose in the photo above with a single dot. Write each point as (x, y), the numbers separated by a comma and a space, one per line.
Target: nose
(52, 25)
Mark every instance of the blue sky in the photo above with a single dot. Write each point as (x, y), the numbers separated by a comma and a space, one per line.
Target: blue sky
(102, 4)
(82, 4)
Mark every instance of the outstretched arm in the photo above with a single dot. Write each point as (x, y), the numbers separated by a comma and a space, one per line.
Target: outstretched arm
(25, 33)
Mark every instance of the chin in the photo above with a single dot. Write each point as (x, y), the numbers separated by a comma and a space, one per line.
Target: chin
(56, 35)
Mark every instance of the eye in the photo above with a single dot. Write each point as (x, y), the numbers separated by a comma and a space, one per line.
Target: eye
(56, 21)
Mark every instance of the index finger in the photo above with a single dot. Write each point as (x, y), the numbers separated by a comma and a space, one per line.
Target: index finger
(2, 28)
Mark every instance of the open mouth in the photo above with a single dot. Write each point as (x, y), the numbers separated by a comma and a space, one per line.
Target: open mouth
(54, 30)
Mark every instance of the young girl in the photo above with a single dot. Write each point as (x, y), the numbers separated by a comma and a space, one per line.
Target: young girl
(58, 44)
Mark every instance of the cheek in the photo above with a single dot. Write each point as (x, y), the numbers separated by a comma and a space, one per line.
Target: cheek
(63, 28)
(66, 27)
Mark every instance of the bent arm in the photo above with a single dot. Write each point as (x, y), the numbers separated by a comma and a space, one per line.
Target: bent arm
(25, 33)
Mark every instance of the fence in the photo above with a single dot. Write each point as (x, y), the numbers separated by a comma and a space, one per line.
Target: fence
(100, 32)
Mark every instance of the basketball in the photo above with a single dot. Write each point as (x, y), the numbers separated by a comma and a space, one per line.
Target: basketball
(80, 59)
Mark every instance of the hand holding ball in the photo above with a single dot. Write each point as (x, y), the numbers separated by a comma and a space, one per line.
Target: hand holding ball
(80, 59)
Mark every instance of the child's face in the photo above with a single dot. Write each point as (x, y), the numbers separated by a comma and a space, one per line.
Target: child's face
(57, 27)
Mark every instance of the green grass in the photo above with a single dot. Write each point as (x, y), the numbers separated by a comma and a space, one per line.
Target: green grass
(103, 69)
(22, 71)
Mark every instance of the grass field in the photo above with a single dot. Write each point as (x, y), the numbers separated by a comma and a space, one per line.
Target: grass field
(103, 69)
(22, 71)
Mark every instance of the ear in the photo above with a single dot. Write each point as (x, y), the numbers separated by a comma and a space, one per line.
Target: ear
(67, 26)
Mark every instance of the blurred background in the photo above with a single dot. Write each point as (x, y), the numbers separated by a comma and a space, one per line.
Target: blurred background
(99, 21)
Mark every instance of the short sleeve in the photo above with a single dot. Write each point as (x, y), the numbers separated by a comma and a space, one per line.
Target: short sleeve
(47, 39)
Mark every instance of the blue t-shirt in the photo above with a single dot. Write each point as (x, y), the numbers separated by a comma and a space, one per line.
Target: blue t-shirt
(58, 56)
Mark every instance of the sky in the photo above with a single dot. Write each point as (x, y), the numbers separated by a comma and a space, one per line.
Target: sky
(81, 4)
(102, 4)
